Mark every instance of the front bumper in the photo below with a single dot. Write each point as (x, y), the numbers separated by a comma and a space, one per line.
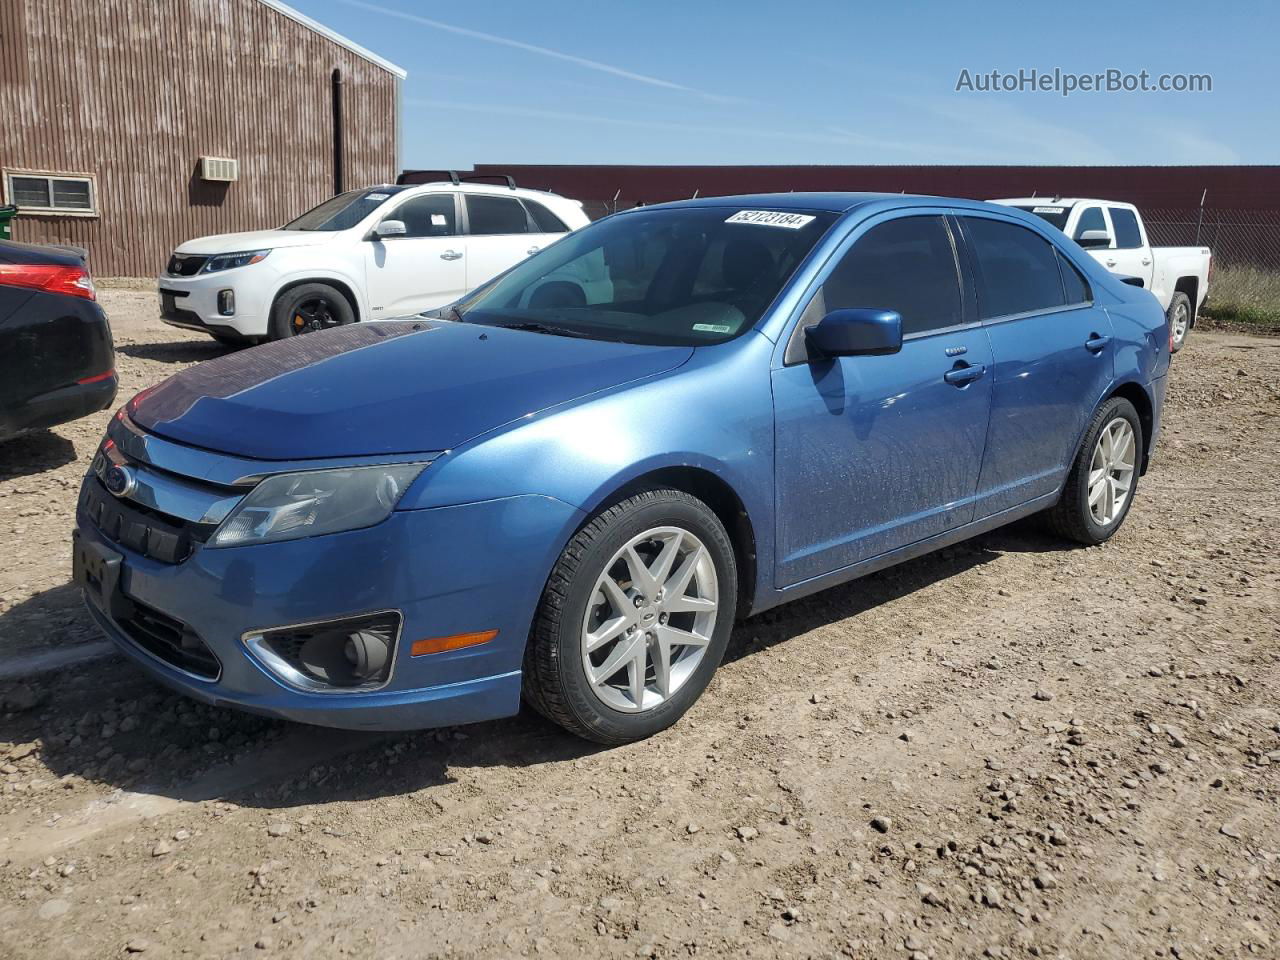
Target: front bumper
(448, 570)
(192, 302)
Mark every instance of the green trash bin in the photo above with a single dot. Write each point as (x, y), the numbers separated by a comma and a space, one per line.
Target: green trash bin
(7, 213)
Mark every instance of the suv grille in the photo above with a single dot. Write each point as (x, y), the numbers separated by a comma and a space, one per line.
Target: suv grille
(185, 266)
(169, 640)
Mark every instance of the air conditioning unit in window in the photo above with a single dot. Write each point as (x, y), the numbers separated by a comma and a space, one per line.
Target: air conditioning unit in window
(219, 168)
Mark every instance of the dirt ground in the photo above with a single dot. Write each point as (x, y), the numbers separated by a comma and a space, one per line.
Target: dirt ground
(1010, 748)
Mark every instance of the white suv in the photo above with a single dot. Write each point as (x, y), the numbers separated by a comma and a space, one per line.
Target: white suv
(381, 252)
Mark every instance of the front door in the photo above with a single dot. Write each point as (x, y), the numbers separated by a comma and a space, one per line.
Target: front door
(877, 452)
(424, 268)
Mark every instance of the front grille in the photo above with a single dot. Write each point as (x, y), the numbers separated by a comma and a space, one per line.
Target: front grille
(169, 640)
(185, 266)
(141, 530)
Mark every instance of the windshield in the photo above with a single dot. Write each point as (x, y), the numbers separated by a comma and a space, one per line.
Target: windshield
(684, 276)
(1055, 215)
(343, 211)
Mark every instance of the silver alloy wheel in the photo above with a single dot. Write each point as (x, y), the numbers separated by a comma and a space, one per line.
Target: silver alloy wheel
(650, 618)
(1111, 471)
(1181, 317)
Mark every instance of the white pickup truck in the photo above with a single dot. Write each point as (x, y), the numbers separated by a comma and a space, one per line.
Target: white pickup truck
(1114, 235)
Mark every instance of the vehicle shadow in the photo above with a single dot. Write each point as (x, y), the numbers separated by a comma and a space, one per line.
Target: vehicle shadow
(108, 723)
(33, 453)
(177, 351)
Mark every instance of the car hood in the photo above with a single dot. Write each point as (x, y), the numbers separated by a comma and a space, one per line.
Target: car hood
(254, 240)
(409, 386)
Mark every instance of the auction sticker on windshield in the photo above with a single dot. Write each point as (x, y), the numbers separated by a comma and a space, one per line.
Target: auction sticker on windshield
(771, 218)
(1048, 209)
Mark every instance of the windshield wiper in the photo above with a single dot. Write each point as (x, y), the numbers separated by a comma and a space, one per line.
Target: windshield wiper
(534, 326)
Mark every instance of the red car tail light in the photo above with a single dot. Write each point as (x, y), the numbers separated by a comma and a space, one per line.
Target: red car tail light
(49, 277)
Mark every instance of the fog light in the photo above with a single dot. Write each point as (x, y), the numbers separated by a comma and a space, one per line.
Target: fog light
(227, 303)
(331, 657)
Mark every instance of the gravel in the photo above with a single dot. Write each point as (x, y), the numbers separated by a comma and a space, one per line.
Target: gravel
(1090, 768)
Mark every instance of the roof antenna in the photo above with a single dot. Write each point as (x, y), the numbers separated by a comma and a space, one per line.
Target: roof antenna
(695, 193)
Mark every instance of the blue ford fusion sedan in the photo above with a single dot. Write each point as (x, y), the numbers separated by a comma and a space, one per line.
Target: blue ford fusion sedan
(569, 484)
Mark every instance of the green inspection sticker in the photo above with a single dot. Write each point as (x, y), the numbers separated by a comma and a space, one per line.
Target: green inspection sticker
(713, 327)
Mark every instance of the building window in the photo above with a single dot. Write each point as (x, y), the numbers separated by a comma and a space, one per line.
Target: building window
(57, 193)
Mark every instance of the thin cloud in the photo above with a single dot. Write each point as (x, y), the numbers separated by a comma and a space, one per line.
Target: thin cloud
(835, 136)
(534, 48)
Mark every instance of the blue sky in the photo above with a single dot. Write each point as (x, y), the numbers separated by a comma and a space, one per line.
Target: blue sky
(664, 82)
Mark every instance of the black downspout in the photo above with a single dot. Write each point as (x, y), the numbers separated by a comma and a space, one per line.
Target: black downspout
(337, 132)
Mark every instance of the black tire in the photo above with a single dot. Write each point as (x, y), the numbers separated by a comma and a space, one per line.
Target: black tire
(317, 305)
(555, 680)
(1179, 302)
(1071, 517)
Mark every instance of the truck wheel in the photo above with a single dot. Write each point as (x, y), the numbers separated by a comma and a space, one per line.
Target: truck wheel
(634, 618)
(307, 308)
(1104, 477)
(1179, 315)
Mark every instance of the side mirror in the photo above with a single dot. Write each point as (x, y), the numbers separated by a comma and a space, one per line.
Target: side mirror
(390, 228)
(1094, 238)
(1132, 281)
(856, 332)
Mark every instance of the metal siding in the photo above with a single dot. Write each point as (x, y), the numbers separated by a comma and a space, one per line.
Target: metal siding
(1251, 187)
(138, 90)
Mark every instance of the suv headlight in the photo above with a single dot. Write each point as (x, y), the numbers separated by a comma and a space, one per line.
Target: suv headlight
(225, 261)
(290, 506)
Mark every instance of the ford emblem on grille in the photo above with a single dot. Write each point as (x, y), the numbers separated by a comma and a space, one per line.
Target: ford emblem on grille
(119, 481)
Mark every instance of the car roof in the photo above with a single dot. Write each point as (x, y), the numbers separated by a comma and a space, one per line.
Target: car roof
(830, 202)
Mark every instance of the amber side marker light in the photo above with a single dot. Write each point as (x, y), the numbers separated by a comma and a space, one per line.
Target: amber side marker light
(455, 642)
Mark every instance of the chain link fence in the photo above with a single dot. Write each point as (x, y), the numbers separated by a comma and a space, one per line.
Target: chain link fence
(1238, 238)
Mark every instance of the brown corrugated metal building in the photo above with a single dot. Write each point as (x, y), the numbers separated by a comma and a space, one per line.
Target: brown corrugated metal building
(111, 112)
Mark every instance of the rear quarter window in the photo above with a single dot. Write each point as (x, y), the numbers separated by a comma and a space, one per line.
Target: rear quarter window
(544, 219)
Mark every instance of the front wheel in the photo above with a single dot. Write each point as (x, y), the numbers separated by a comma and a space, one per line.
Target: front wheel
(634, 618)
(1104, 477)
(307, 308)
(1179, 316)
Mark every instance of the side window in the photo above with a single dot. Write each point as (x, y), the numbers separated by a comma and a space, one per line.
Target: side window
(1091, 219)
(544, 219)
(906, 265)
(1018, 268)
(432, 215)
(495, 215)
(1073, 282)
(1128, 236)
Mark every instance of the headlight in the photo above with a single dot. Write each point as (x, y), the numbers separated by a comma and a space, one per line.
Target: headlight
(225, 261)
(295, 505)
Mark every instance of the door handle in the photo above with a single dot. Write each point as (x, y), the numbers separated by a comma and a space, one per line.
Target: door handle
(451, 255)
(1146, 262)
(1096, 342)
(962, 376)
(1111, 263)
(531, 251)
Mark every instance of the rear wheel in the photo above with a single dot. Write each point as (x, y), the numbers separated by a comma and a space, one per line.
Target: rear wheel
(1179, 316)
(634, 619)
(1104, 478)
(308, 308)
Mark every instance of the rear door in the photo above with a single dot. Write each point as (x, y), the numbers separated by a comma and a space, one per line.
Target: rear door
(877, 452)
(500, 233)
(1053, 356)
(1130, 255)
(422, 269)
